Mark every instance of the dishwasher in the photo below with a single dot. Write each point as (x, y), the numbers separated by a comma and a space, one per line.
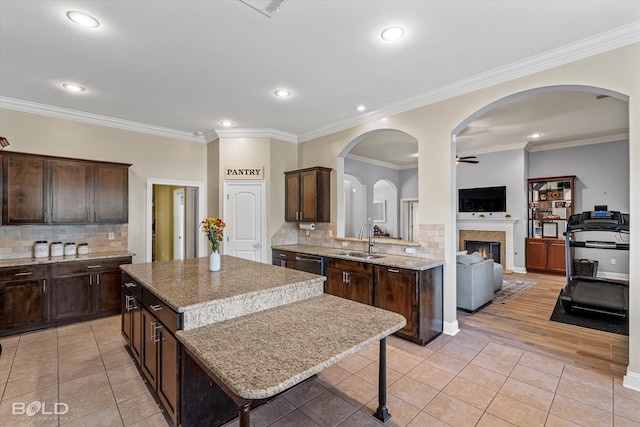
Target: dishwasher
(310, 263)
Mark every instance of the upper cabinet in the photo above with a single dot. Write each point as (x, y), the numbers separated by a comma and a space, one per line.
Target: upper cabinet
(51, 190)
(550, 205)
(307, 195)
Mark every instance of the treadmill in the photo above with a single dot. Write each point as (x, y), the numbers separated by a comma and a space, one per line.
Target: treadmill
(591, 294)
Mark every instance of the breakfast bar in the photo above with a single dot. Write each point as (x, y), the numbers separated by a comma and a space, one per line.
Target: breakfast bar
(256, 330)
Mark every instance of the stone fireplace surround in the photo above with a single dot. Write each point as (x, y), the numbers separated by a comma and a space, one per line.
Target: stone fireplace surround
(489, 230)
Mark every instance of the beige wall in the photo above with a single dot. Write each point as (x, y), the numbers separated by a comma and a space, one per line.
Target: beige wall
(152, 157)
(617, 70)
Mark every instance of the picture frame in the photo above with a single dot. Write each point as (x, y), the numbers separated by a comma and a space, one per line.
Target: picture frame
(380, 211)
(550, 229)
(542, 196)
(560, 205)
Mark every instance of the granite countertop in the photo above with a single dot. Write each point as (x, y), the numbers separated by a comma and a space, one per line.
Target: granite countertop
(409, 263)
(17, 262)
(240, 287)
(261, 354)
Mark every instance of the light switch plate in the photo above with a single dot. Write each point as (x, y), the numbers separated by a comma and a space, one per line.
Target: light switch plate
(112, 235)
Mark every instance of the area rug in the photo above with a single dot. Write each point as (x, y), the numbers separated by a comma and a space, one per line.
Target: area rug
(511, 288)
(596, 321)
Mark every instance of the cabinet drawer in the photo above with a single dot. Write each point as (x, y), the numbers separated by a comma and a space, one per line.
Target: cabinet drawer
(93, 266)
(133, 287)
(24, 272)
(169, 318)
(283, 254)
(360, 267)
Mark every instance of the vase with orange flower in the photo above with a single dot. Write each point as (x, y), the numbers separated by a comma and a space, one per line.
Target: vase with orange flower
(213, 228)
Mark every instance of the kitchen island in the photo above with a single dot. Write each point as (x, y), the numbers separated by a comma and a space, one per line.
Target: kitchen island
(254, 329)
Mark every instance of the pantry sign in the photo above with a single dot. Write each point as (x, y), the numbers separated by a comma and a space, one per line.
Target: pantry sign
(244, 172)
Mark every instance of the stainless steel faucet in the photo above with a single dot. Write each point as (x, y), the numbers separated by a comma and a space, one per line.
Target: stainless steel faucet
(366, 224)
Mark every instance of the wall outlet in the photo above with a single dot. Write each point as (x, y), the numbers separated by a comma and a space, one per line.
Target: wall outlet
(613, 261)
(345, 244)
(111, 235)
(330, 233)
(410, 250)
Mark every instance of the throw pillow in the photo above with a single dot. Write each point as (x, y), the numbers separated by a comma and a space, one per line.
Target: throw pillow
(463, 259)
(476, 258)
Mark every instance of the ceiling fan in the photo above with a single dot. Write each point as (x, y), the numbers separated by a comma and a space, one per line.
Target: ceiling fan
(466, 159)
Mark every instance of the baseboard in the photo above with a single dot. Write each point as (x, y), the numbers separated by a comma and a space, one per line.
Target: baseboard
(614, 276)
(519, 270)
(631, 380)
(450, 328)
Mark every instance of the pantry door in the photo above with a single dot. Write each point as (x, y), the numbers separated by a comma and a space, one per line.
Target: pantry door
(245, 213)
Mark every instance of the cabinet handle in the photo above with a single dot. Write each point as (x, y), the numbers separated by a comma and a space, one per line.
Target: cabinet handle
(44, 286)
(90, 280)
(94, 266)
(23, 274)
(98, 279)
(127, 301)
(130, 285)
(155, 307)
(393, 270)
(154, 333)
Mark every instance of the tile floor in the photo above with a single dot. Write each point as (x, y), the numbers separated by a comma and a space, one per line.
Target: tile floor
(467, 380)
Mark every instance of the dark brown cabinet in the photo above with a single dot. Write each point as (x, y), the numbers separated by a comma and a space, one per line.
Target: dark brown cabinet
(52, 190)
(82, 289)
(349, 279)
(148, 327)
(25, 189)
(24, 300)
(307, 195)
(283, 258)
(416, 295)
(546, 255)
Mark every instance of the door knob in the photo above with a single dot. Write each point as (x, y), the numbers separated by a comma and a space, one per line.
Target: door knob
(256, 245)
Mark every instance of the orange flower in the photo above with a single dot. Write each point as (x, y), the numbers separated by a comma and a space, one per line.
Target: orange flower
(213, 228)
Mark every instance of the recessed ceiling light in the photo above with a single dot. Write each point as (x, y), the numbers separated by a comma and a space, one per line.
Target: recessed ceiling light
(361, 108)
(392, 33)
(283, 93)
(83, 19)
(73, 87)
(536, 135)
(227, 123)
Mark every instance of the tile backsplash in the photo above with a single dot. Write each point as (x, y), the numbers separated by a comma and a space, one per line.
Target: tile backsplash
(18, 241)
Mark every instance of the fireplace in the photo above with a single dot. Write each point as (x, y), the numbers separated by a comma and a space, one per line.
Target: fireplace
(486, 249)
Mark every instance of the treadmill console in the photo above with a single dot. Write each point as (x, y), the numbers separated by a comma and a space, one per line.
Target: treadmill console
(598, 220)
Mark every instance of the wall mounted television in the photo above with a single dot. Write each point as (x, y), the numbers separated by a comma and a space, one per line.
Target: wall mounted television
(485, 199)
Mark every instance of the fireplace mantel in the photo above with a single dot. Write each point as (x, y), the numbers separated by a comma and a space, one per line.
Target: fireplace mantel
(487, 224)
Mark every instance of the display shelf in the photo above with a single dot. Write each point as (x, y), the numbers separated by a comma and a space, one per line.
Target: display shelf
(550, 205)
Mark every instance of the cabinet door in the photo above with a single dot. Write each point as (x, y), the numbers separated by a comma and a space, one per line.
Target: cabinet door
(168, 371)
(111, 194)
(292, 197)
(336, 282)
(360, 287)
(25, 190)
(23, 303)
(106, 290)
(71, 191)
(397, 292)
(309, 196)
(556, 253)
(149, 360)
(136, 332)
(536, 254)
(72, 296)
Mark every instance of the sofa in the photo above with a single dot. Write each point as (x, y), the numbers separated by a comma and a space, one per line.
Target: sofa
(475, 281)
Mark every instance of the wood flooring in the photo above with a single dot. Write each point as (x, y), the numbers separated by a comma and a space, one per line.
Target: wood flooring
(524, 322)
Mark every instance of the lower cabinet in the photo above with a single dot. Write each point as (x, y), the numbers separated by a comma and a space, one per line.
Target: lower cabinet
(349, 279)
(24, 298)
(86, 289)
(148, 327)
(43, 295)
(417, 295)
(546, 255)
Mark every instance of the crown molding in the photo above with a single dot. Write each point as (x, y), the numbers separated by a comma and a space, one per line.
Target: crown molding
(380, 162)
(570, 143)
(258, 133)
(581, 49)
(96, 119)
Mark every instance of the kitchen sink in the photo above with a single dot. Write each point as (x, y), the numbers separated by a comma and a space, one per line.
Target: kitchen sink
(360, 255)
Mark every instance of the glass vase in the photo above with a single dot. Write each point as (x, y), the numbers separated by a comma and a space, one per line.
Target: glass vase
(214, 261)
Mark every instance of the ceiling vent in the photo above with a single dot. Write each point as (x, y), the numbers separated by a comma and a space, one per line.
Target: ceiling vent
(266, 7)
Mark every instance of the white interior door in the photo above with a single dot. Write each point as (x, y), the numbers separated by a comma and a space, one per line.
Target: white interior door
(410, 220)
(178, 223)
(245, 217)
